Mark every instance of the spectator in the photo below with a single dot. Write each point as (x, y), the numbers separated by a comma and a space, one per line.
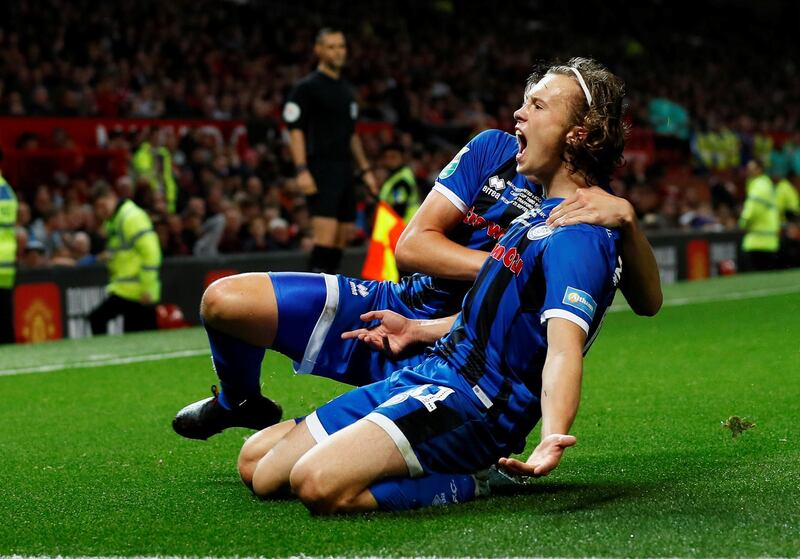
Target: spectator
(760, 220)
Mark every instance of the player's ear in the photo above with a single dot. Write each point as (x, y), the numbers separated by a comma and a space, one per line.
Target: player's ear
(576, 135)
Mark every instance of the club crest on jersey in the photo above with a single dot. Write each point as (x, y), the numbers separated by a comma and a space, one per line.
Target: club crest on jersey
(453, 165)
(509, 257)
(539, 232)
(580, 300)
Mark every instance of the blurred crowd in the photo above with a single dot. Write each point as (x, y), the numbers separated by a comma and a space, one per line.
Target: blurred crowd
(427, 68)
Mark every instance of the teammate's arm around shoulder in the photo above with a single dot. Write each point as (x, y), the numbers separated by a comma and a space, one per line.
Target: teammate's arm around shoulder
(424, 246)
(561, 393)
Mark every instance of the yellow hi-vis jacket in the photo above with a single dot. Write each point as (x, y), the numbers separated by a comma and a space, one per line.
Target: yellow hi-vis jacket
(788, 199)
(759, 217)
(134, 254)
(400, 192)
(8, 237)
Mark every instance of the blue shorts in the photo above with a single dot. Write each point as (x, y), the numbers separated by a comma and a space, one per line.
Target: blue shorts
(314, 310)
(431, 414)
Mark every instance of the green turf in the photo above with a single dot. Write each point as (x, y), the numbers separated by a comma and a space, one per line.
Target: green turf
(90, 465)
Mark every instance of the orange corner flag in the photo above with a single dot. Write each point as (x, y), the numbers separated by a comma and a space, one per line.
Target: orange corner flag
(380, 263)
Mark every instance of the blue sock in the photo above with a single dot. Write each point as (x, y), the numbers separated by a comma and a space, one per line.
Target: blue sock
(238, 366)
(433, 489)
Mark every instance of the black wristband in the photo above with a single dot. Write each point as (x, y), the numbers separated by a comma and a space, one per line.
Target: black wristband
(300, 168)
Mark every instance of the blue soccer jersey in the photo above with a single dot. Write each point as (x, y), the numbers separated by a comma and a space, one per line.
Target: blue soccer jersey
(477, 397)
(534, 273)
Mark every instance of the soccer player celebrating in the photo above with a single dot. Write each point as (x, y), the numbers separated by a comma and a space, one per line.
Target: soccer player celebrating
(513, 356)
(475, 199)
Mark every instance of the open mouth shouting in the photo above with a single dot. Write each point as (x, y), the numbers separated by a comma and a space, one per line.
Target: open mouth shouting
(522, 141)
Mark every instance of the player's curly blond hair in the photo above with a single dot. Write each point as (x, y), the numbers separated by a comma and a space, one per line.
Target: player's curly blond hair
(599, 151)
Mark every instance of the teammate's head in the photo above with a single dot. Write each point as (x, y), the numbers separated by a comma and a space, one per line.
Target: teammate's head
(572, 116)
(331, 48)
(104, 199)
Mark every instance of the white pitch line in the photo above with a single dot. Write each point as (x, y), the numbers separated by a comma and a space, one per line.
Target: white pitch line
(97, 362)
(301, 557)
(732, 296)
(102, 363)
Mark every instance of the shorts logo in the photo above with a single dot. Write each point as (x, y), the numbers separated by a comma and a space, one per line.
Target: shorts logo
(428, 400)
(539, 232)
(580, 300)
(291, 112)
(453, 165)
(354, 110)
(358, 289)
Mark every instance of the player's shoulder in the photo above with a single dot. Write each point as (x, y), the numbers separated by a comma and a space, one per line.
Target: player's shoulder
(494, 139)
(583, 233)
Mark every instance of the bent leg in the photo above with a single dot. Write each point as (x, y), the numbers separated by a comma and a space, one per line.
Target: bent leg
(243, 306)
(335, 476)
(271, 476)
(257, 446)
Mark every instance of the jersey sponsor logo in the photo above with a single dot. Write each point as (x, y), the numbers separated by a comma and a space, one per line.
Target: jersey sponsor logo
(493, 230)
(358, 289)
(291, 112)
(540, 232)
(510, 258)
(580, 300)
(453, 165)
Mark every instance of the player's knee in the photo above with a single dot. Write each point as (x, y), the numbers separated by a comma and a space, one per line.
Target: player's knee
(247, 462)
(264, 481)
(219, 302)
(310, 484)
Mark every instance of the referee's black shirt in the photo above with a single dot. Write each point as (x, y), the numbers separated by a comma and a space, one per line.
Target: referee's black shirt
(325, 110)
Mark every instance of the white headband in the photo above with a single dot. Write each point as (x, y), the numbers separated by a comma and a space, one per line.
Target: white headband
(584, 87)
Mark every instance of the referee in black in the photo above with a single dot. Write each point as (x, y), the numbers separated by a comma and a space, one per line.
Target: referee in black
(321, 113)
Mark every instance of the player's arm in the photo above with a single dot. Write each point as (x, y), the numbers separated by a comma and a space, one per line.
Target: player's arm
(641, 283)
(357, 149)
(395, 333)
(561, 393)
(424, 246)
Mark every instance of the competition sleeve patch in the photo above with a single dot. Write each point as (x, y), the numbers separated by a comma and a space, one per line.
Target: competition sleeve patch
(291, 112)
(580, 300)
(453, 165)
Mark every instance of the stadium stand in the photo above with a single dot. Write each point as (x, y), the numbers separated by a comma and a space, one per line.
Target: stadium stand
(183, 112)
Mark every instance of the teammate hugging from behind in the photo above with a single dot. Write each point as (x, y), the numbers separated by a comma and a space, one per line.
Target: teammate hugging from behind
(303, 316)
(513, 356)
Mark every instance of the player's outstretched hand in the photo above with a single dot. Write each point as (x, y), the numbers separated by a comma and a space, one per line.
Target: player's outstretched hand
(392, 335)
(594, 206)
(543, 460)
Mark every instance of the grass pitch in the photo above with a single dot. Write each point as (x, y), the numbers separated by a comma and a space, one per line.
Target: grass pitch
(90, 465)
